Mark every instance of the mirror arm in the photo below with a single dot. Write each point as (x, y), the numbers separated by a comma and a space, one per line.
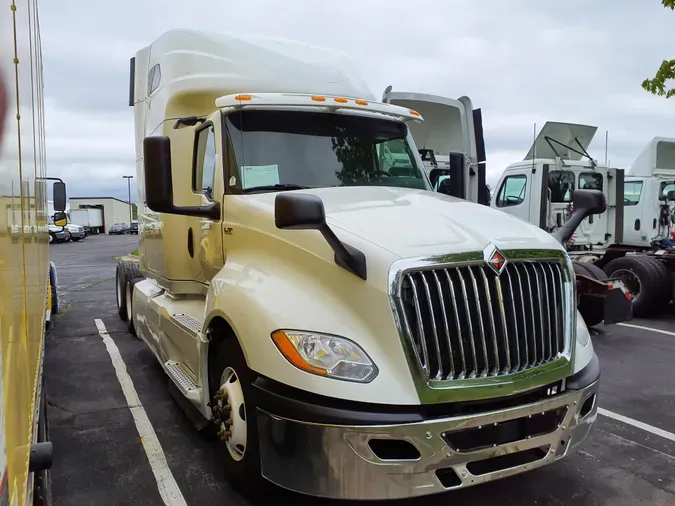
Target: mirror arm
(346, 256)
(563, 234)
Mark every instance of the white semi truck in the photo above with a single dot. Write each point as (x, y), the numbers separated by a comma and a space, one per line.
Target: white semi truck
(648, 207)
(631, 242)
(539, 190)
(348, 332)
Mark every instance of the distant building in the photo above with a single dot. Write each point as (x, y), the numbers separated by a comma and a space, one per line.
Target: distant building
(114, 210)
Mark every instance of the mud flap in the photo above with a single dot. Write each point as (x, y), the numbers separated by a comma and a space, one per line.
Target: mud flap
(618, 307)
(617, 303)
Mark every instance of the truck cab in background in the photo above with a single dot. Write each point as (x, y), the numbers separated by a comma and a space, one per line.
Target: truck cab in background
(347, 331)
(538, 191)
(647, 200)
(450, 142)
(539, 188)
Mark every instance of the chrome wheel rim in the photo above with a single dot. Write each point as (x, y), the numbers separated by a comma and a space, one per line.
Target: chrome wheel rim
(230, 403)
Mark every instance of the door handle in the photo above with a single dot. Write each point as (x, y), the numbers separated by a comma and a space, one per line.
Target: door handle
(190, 243)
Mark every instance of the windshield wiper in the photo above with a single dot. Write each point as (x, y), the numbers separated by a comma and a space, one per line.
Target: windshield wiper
(276, 187)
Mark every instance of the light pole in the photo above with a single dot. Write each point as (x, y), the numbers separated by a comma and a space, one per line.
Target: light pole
(128, 178)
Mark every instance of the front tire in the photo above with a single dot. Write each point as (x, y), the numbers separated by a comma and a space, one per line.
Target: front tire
(125, 272)
(129, 296)
(42, 484)
(53, 282)
(234, 411)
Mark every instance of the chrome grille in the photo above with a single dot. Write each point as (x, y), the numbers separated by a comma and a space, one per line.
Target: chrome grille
(467, 322)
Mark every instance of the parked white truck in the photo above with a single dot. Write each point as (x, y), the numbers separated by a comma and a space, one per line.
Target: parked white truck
(630, 243)
(89, 218)
(539, 190)
(531, 190)
(349, 332)
(646, 196)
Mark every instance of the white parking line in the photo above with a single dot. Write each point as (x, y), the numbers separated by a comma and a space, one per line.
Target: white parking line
(636, 423)
(168, 488)
(659, 331)
(630, 421)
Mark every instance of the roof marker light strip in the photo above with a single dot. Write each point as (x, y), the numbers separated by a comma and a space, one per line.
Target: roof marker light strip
(302, 100)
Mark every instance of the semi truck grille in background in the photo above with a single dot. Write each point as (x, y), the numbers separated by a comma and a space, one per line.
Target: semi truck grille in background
(467, 322)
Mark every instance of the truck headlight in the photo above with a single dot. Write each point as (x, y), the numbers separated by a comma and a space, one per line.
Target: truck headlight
(583, 334)
(325, 355)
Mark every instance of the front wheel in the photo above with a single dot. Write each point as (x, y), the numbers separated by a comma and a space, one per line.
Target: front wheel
(129, 296)
(234, 412)
(125, 272)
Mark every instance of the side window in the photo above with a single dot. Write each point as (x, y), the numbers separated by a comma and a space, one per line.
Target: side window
(512, 191)
(665, 188)
(590, 181)
(561, 184)
(393, 158)
(204, 170)
(154, 77)
(631, 193)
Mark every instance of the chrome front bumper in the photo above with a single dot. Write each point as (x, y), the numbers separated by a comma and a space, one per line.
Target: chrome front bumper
(338, 461)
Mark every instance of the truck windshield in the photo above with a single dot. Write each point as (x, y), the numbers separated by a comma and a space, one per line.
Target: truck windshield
(276, 150)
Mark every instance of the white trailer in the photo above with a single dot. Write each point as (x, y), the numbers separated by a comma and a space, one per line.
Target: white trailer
(90, 218)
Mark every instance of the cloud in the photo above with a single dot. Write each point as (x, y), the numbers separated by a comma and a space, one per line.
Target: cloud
(523, 62)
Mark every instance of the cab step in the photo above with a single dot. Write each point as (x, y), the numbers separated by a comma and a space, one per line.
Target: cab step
(185, 391)
(188, 408)
(181, 375)
(188, 322)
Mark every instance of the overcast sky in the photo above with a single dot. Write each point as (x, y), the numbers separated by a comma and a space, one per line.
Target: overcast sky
(521, 61)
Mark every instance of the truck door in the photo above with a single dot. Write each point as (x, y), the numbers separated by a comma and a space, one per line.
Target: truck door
(514, 193)
(450, 126)
(204, 240)
(663, 211)
(593, 229)
(633, 202)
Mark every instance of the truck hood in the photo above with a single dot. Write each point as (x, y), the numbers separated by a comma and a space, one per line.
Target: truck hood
(412, 223)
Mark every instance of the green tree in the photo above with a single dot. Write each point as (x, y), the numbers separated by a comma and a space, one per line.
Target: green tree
(666, 71)
(134, 212)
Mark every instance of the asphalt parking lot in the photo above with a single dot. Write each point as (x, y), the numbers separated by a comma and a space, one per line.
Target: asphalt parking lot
(100, 458)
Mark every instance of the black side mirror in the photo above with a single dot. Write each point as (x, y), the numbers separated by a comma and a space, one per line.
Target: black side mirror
(59, 196)
(60, 219)
(591, 201)
(303, 211)
(435, 175)
(586, 203)
(300, 211)
(455, 185)
(159, 181)
(445, 187)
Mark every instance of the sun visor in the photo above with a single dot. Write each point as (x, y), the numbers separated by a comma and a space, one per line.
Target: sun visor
(560, 139)
(445, 125)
